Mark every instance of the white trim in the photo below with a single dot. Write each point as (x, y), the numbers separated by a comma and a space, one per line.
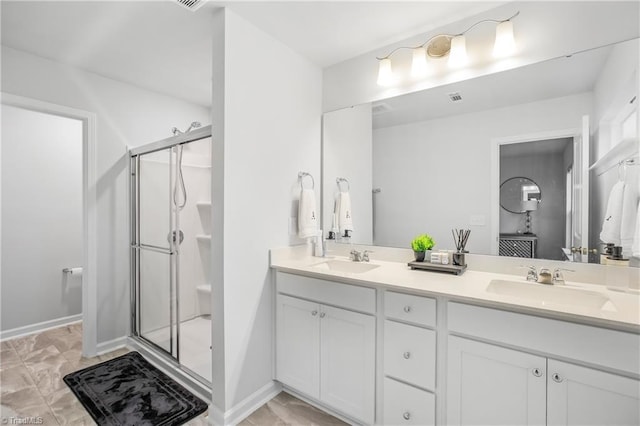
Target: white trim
(26, 330)
(246, 407)
(495, 171)
(89, 208)
(111, 345)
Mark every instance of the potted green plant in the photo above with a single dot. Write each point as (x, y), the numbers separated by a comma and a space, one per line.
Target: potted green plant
(420, 245)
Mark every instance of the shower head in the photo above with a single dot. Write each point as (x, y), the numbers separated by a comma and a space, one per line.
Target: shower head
(193, 125)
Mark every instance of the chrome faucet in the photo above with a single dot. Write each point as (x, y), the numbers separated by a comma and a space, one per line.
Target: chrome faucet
(558, 278)
(532, 274)
(359, 256)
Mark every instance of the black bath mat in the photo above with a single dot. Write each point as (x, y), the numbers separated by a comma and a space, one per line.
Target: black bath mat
(129, 391)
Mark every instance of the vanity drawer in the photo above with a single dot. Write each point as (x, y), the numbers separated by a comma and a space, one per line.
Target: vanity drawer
(407, 307)
(410, 354)
(406, 405)
(348, 296)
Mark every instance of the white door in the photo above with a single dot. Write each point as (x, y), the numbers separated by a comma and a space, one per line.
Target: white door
(580, 195)
(584, 396)
(298, 344)
(347, 368)
(491, 385)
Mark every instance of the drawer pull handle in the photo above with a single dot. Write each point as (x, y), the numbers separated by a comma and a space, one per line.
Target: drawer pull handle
(537, 372)
(557, 378)
(406, 355)
(407, 309)
(406, 415)
(314, 313)
(322, 314)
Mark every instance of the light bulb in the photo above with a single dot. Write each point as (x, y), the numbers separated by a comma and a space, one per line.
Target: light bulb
(385, 74)
(458, 53)
(419, 63)
(505, 45)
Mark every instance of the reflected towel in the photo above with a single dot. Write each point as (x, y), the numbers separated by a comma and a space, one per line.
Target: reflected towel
(628, 217)
(636, 235)
(343, 212)
(613, 217)
(307, 217)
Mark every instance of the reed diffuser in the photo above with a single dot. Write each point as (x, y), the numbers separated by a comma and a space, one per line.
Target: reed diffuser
(460, 238)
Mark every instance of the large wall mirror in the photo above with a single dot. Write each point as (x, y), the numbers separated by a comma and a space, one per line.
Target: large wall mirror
(434, 160)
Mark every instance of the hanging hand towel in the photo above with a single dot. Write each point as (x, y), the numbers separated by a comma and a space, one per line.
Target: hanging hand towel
(307, 217)
(613, 217)
(636, 235)
(343, 212)
(628, 217)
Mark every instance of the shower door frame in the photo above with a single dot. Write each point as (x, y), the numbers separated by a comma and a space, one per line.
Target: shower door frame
(136, 247)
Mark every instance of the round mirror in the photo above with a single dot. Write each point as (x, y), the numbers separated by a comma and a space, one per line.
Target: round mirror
(519, 195)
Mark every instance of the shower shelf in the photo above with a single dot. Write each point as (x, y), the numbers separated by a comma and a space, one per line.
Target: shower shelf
(203, 238)
(204, 204)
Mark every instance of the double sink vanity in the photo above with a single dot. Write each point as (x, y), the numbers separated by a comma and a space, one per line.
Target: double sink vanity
(378, 343)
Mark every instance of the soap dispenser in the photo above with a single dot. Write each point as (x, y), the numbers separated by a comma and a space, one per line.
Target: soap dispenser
(319, 245)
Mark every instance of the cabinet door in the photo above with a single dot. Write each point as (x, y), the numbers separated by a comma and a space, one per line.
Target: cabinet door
(584, 396)
(491, 385)
(347, 346)
(298, 344)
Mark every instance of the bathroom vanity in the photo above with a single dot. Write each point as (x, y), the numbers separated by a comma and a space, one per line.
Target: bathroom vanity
(379, 343)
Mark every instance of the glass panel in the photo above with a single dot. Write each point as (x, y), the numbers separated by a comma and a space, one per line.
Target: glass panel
(154, 180)
(156, 299)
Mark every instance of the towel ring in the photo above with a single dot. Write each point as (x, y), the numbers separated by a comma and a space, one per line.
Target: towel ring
(340, 180)
(301, 176)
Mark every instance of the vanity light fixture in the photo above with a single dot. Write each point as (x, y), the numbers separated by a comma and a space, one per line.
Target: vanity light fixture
(452, 44)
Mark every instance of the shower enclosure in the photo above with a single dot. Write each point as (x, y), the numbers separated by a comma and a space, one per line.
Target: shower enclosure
(170, 188)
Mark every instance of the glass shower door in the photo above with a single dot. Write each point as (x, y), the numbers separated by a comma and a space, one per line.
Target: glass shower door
(154, 249)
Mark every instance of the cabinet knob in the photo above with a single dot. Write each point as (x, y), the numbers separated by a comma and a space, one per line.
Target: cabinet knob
(407, 309)
(314, 313)
(406, 415)
(406, 355)
(557, 378)
(537, 372)
(322, 314)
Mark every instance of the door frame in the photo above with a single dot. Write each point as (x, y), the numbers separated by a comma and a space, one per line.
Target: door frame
(495, 171)
(89, 209)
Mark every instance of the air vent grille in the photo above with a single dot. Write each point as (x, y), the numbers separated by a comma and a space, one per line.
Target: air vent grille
(455, 97)
(192, 5)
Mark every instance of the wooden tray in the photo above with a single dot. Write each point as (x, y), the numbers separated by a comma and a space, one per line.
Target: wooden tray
(438, 267)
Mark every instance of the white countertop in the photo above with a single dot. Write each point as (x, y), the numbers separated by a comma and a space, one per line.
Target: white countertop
(621, 313)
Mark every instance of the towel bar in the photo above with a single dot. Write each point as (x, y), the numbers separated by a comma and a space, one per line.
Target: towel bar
(340, 180)
(301, 176)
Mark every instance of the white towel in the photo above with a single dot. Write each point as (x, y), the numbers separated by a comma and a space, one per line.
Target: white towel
(628, 218)
(635, 250)
(343, 212)
(307, 216)
(613, 217)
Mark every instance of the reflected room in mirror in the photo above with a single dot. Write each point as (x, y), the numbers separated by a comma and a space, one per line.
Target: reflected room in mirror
(568, 125)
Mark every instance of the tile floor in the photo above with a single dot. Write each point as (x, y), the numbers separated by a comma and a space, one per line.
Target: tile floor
(32, 368)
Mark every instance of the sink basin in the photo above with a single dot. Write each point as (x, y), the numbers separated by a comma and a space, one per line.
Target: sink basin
(551, 294)
(346, 266)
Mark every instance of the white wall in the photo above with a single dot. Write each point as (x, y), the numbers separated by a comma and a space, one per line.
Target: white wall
(126, 116)
(347, 153)
(41, 217)
(543, 30)
(434, 175)
(267, 111)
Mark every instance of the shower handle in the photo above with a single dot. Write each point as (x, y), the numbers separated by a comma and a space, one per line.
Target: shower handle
(172, 237)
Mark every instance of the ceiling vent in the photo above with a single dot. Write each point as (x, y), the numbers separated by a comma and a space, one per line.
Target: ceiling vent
(455, 97)
(380, 108)
(192, 5)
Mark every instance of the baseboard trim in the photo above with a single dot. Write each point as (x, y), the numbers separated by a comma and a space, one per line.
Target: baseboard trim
(246, 407)
(39, 327)
(111, 345)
